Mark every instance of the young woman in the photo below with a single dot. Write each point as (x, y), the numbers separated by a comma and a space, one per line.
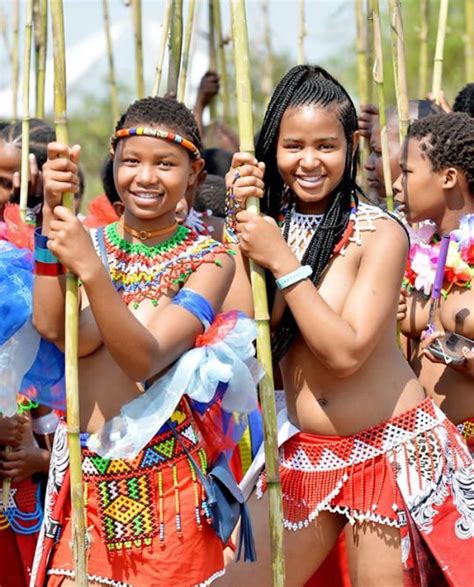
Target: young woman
(145, 297)
(357, 418)
(437, 184)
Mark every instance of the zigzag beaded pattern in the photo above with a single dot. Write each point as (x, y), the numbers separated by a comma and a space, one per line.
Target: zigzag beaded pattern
(142, 272)
(127, 490)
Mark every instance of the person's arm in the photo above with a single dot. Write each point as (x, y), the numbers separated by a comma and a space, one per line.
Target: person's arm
(140, 351)
(59, 176)
(207, 91)
(342, 342)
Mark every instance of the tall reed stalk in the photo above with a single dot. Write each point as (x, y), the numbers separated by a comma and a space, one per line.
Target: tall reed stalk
(138, 38)
(469, 40)
(212, 53)
(267, 74)
(424, 52)
(439, 52)
(110, 58)
(399, 67)
(15, 59)
(262, 318)
(175, 45)
(25, 125)
(378, 74)
(188, 32)
(222, 62)
(72, 319)
(165, 31)
(301, 31)
(362, 79)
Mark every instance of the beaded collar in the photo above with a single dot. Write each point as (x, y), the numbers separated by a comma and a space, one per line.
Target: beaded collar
(423, 257)
(142, 272)
(303, 226)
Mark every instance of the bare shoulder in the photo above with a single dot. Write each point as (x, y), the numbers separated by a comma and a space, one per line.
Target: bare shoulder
(376, 229)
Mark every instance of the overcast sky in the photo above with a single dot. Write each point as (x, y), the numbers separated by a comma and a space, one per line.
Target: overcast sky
(330, 22)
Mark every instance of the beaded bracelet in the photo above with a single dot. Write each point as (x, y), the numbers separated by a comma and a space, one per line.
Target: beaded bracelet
(46, 263)
(232, 207)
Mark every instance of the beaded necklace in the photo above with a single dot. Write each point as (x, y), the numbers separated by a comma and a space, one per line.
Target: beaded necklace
(423, 258)
(142, 272)
(303, 226)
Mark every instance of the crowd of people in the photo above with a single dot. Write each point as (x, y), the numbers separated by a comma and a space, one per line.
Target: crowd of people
(372, 342)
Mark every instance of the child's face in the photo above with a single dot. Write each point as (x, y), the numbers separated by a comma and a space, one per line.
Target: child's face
(311, 154)
(10, 162)
(151, 176)
(418, 188)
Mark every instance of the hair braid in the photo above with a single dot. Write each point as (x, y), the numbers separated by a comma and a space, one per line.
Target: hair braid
(41, 133)
(307, 85)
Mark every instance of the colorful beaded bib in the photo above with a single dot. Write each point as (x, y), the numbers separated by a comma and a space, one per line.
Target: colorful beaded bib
(142, 272)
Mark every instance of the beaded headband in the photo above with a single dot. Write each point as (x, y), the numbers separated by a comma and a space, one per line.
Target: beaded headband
(159, 134)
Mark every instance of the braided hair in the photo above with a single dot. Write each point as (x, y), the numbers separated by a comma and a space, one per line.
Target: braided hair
(307, 85)
(41, 133)
(167, 111)
(447, 140)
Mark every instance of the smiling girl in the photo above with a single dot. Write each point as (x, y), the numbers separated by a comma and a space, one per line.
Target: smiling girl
(145, 297)
(357, 419)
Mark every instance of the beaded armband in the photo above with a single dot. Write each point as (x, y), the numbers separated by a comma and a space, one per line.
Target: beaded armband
(196, 304)
(45, 262)
(232, 207)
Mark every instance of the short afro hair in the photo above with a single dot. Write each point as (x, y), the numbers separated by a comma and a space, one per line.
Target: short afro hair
(464, 101)
(447, 140)
(211, 196)
(166, 111)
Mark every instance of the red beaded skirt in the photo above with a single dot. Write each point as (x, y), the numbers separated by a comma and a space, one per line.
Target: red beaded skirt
(146, 517)
(414, 465)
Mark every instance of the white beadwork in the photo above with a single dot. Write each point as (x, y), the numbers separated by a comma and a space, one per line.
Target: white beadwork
(302, 228)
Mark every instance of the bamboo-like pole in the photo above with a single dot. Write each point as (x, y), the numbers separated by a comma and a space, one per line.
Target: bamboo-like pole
(138, 37)
(41, 48)
(267, 74)
(212, 55)
(15, 59)
(301, 31)
(25, 125)
(469, 40)
(399, 67)
(379, 81)
(439, 52)
(370, 52)
(424, 54)
(165, 31)
(221, 59)
(262, 318)
(175, 45)
(362, 78)
(110, 56)
(188, 32)
(72, 319)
